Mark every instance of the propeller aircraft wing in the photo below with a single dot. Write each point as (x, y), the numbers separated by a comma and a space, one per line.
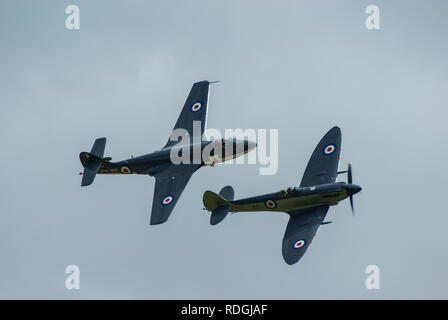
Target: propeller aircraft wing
(302, 227)
(172, 180)
(168, 188)
(195, 109)
(322, 167)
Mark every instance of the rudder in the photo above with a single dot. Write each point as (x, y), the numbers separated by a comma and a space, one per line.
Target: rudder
(219, 204)
(92, 161)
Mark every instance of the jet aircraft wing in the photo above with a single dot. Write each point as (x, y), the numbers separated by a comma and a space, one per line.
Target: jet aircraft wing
(169, 186)
(195, 109)
(322, 167)
(302, 227)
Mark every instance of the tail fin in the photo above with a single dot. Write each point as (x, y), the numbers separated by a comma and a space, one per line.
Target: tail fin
(219, 204)
(92, 161)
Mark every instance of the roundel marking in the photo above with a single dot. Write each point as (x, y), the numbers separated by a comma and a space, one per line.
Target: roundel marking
(299, 243)
(167, 200)
(196, 107)
(125, 170)
(270, 204)
(329, 149)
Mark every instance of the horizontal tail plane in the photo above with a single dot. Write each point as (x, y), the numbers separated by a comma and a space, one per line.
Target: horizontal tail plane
(219, 204)
(92, 161)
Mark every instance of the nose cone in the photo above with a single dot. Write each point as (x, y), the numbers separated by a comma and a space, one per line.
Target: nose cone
(249, 145)
(353, 189)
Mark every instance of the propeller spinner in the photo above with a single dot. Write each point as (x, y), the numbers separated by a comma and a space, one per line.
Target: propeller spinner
(351, 188)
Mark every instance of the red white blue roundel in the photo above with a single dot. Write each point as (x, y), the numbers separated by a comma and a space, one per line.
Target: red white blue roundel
(270, 204)
(167, 200)
(196, 107)
(299, 243)
(125, 170)
(329, 149)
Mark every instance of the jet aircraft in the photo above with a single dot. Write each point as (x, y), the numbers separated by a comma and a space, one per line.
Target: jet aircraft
(171, 178)
(307, 205)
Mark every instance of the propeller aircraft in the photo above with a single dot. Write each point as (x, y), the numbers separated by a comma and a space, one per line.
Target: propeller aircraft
(171, 178)
(306, 205)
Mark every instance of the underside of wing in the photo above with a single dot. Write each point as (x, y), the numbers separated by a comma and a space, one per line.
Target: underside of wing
(323, 165)
(193, 112)
(301, 229)
(168, 188)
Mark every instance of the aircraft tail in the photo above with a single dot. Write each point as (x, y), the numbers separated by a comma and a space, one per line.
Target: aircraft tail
(219, 204)
(92, 161)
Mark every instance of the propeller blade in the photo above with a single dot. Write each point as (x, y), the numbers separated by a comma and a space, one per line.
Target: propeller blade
(351, 205)
(349, 173)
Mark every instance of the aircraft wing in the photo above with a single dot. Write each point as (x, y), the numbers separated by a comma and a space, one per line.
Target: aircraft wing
(323, 165)
(302, 227)
(169, 186)
(195, 109)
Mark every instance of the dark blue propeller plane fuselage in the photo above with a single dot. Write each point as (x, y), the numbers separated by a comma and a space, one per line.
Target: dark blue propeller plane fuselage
(307, 205)
(171, 178)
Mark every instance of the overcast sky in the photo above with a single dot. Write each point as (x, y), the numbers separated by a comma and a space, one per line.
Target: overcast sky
(297, 66)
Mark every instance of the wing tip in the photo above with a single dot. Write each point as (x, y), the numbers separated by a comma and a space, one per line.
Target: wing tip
(291, 259)
(156, 222)
(206, 82)
(335, 129)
